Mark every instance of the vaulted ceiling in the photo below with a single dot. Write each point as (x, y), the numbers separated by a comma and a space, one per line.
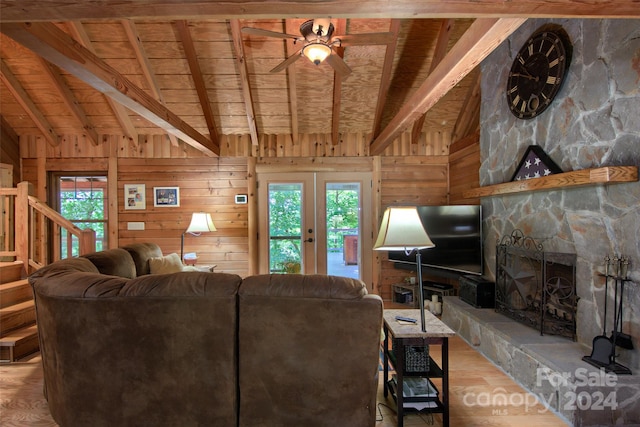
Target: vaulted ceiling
(188, 70)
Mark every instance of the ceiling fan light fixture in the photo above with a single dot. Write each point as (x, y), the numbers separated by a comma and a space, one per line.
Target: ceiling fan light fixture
(316, 52)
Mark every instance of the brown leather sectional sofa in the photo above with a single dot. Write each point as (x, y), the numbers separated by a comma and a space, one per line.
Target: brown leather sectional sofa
(122, 347)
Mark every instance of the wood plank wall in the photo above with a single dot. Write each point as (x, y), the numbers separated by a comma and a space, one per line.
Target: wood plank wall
(464, 167)
(206, 185)
(320, 145)
(406, 174)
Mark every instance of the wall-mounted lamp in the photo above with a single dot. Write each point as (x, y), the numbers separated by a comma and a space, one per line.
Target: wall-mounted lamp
(201, 222)
(402, 229)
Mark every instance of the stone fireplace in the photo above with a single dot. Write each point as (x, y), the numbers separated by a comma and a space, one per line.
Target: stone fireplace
(594, 121)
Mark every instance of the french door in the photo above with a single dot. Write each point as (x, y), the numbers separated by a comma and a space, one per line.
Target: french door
(315, 223)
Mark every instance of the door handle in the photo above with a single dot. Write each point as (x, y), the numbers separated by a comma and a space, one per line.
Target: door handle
(310, 240)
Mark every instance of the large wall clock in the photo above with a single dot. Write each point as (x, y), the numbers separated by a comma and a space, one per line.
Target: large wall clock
(538, 71)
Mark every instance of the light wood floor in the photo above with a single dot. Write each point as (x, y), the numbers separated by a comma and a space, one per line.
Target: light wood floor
(474, 383)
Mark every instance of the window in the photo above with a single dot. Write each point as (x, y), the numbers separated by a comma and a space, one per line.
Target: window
(83, 201)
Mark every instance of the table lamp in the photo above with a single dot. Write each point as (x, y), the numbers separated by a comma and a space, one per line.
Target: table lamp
(402, 229)
(201, 222)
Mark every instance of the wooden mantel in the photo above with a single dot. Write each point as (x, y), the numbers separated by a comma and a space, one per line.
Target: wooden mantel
(603, 175)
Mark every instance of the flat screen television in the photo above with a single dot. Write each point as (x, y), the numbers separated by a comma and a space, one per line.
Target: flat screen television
(457, 233)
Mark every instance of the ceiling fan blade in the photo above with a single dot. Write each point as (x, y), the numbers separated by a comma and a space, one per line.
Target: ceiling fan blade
(339, 65)
(365, 39)
(290, 60)
(267, 33)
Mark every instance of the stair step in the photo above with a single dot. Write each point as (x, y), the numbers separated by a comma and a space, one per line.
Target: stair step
(19, 343)
(10, 271)
(17, 316)
(15, 292)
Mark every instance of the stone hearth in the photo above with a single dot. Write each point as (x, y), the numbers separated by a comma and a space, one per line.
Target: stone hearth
(548, 366)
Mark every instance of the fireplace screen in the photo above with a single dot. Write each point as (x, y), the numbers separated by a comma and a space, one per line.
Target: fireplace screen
(535, 287)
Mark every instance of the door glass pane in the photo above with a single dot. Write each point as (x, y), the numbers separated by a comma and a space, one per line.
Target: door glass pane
(285, 228)
(343, 229)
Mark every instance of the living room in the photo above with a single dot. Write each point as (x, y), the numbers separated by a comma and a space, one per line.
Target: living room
(591, 123)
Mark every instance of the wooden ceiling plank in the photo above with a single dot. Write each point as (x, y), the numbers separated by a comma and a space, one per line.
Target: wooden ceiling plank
(236, 34)
(444, 34)
(482, 37)
(469, 117)
(46, 10)
(340, 28)
(385, 80)
(198, 79)
(293, 84)
(121, 113)
(23, 98)
(70, 100)
(54, 45)
(143, 59)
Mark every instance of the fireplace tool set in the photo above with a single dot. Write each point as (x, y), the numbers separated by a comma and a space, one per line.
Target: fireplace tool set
(603, 352)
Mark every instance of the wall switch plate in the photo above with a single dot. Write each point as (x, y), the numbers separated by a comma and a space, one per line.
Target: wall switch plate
(135, 225)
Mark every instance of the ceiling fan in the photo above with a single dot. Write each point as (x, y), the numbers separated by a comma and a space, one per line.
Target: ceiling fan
(319, 43)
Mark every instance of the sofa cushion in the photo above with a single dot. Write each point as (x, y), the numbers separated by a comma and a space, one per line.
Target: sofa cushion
(308, 351)
(165, 264)
(141, 252)
(303, 286)
(76, 284)
(65, 266)
(114, 262)
(183, 284)
(154, 350)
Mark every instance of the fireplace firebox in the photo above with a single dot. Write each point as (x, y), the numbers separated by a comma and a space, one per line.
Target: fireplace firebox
(535, 287)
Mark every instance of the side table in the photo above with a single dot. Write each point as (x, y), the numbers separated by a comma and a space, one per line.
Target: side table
(403, 335)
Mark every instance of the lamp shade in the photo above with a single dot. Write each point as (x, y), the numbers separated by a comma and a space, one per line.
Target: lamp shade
(401, 229)
(316, 52)
(201, 222)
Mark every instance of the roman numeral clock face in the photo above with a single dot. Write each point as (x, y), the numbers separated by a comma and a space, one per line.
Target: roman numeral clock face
(538, 72)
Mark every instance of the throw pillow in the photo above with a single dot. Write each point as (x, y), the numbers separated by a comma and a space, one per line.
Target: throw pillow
(166, 264)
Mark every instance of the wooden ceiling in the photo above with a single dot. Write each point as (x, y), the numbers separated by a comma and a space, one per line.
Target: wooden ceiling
(187, 70)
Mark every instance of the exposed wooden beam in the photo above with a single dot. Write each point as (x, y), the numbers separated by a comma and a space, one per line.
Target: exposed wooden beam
(70, 100)
(385, 79)
(198, 79)
(292, 83)
(23, 98)
(57, 47)
(46, 10)
(143, 60)
(121, 113)
(469, 117)
(482, 37)
(340, 29)
(442, 43)
(238, 46)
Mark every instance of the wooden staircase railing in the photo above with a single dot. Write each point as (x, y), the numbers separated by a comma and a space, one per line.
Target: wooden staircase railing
(34, 232)
(31, 237)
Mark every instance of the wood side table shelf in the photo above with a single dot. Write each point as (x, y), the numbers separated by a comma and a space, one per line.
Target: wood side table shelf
(437, 333)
